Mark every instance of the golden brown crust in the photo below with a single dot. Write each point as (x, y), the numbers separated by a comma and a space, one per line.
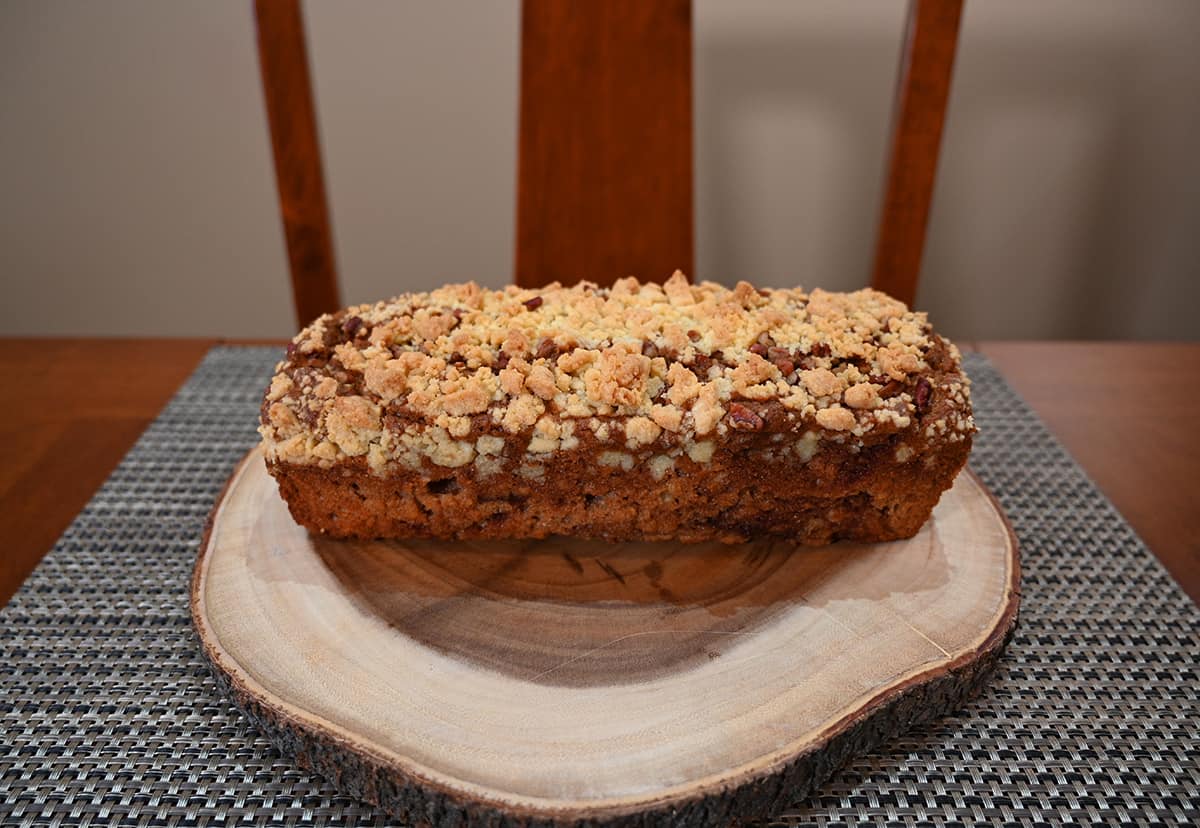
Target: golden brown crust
(638, 386)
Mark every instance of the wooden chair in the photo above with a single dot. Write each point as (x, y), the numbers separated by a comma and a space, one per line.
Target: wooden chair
(604, 183)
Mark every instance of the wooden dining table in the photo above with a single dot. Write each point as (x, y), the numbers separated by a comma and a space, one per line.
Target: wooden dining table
(1129, 412)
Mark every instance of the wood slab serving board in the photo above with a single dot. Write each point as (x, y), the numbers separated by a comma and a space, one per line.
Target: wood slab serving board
(566, 682)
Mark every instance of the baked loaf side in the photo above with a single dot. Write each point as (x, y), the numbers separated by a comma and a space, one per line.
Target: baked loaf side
(640, 411)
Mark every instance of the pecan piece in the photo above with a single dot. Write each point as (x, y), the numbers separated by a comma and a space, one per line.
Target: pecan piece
(744, 419)
(546, 349)
(923, 395)
(890, 387)
(781, 358)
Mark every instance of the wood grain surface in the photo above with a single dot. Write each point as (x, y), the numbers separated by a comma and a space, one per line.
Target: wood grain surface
(560, 680)
(604, 173)
(1130, 414)
(72, 408)
(1092, 395)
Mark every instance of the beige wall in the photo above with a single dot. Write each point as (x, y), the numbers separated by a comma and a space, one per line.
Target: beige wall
(136, 192)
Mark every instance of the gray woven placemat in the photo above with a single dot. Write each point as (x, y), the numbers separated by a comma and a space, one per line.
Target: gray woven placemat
(108, 715)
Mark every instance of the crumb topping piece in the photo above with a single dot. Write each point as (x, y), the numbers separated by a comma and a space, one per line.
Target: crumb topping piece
(427, 376)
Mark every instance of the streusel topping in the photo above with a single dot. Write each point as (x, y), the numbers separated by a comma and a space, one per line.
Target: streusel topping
(443, 375)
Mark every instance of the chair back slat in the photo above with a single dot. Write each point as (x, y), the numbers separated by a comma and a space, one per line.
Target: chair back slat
(922, 90)
(287, 88)
(604, 183)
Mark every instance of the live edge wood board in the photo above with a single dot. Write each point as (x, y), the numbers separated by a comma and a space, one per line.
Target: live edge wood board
(565, 682)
